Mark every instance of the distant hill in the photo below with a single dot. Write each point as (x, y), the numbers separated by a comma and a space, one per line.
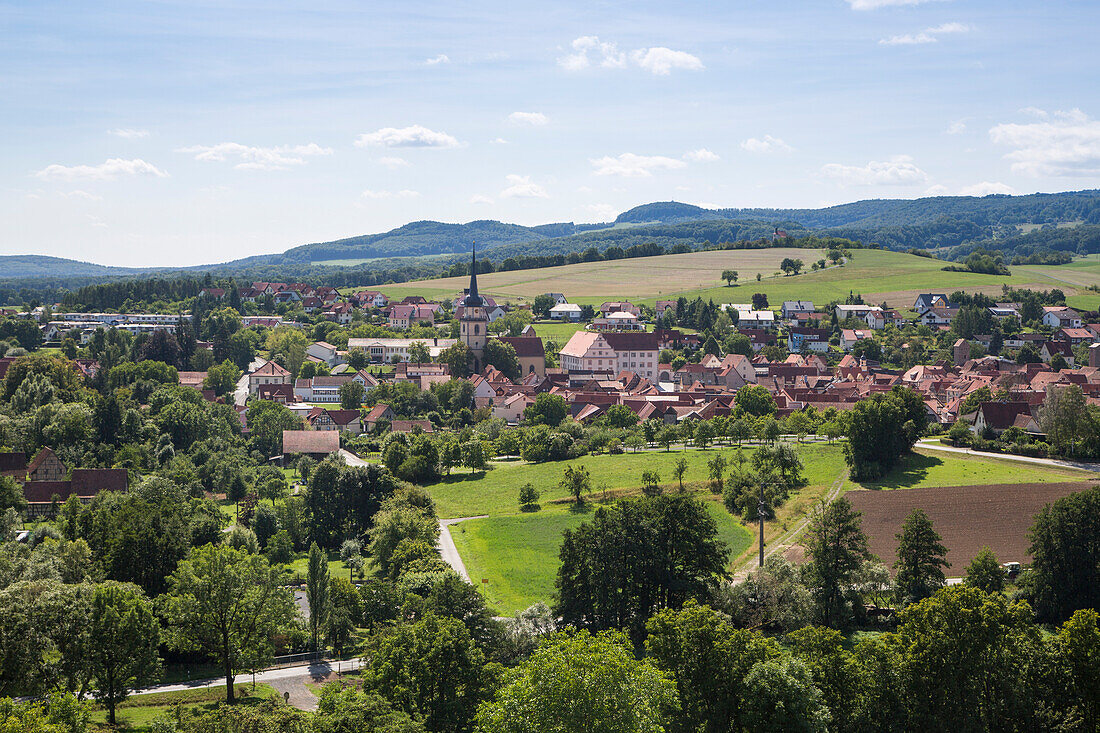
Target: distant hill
(953, 225)
(35, 266)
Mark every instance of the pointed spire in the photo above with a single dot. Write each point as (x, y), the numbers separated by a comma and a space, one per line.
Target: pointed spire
(472, 298)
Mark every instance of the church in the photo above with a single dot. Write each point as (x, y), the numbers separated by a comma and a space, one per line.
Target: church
(474, 323)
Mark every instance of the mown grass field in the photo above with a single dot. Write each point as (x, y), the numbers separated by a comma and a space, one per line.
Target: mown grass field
(517, 552)
(879, 275)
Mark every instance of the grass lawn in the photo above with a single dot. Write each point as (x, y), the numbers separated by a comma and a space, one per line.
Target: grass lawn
(139, 711)
(559, 333)
(518, 554)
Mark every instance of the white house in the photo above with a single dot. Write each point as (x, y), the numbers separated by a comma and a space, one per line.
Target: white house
(1061, 317)
(565, 312)
(849, 337)
(591, 351)
(323, 351)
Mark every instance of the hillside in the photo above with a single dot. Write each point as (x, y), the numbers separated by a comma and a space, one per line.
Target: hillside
(952, 225)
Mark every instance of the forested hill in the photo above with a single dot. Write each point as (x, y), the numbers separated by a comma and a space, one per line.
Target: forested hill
(1020, 226)
(997, 210)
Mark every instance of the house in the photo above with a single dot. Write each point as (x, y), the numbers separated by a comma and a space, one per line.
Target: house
(339, 312)
(849, 337)
(1000, 416)
(1050, 348)
(801, 339)
(392, 351)
(85, 483)
(558, 298)
(1074, 336)
(317, 444)
(613, 306)
(618, 321)
(1061, 317)
(925, 301)
(511, 409)
(13, 464)
(790, 307)
(377, 414)
(327, 388)
(844, 312)
(938, 316)
(269, 373)
(565, 312)
(665, 305)
(370, 299)
(46, 466)
(880, 319)
(530, 352)
(755, 319)
(591, 351)
(1004, 311)
(347, 421)
(411, 426)
(194, 380)
(281, 393)
(216, 293)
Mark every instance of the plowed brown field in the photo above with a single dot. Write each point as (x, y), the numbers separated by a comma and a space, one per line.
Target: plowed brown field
(966, 517)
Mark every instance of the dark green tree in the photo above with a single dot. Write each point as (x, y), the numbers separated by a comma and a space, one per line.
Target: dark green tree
(921, 558)
(123, 636)
(838, 548)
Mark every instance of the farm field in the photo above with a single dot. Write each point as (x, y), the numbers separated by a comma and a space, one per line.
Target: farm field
(966, 517)
(518, 555)
(878, 275)
(517, 552)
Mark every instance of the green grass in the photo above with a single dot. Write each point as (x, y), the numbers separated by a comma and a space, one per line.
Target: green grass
(933, 468)
(518, 554)
(139, 711)
(557, 332)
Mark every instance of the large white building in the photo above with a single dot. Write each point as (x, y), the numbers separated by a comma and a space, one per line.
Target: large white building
(384, 350)
(616, 352)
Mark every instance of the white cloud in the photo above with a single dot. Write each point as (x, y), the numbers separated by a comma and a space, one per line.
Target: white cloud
(1066, 144)
(937, 190)
(82, 195)
(393, 162)
(630, 165)
(985, 188)
(414, 136)
(95, 221)
(128, 133)
(600, 212)
(876, 4)
(521, 187)
(256, 158)
(478, 198)
(957, 127)
(105, 171)
(766, 144)
(403, 194)
(928, 35)
(528, 118)
(702, 155)
(440, 59)
(899, 170)
(498, 141)
(659, 60)
(1042, 114)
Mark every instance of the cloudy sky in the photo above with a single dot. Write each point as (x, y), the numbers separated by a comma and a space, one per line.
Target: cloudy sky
(175, 133)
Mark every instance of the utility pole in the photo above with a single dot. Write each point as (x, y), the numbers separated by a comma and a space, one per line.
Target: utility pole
(760, 507)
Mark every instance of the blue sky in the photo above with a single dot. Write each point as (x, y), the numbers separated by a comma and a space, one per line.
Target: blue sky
(177, 133)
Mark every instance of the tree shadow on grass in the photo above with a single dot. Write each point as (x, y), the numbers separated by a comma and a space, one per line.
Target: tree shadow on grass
(457, 478)
(912, 470)
(585, 507)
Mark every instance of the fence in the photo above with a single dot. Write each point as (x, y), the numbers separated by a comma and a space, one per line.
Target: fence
(293, 660)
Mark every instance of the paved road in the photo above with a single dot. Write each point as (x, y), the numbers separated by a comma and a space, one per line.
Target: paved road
(447, 545)
(351, 459)
(240, 394)
(316, 669)
(1095, 467)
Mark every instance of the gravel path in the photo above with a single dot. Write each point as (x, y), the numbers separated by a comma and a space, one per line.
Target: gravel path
(447, 545)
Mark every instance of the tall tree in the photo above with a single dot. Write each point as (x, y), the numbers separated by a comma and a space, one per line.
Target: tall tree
(838, 548)
(921, 558)
(581, 683)
(1065, 551)
(123, 639)
(227, 604)
(985, 572)
(351, 395)
(318, 593)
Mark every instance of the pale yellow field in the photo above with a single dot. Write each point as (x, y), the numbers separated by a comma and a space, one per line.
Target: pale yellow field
(644, 278)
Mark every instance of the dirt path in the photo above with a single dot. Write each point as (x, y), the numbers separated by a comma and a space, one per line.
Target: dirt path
(1082, 466)
(295, 692)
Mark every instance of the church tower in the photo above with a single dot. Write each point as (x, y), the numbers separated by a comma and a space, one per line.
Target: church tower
(473, 325)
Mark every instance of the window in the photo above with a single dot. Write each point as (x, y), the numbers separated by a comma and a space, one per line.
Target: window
(477, 329)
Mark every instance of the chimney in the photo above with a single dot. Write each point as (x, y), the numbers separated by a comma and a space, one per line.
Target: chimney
(960, 352)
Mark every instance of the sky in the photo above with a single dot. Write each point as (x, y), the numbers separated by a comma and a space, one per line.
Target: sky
(182, 133)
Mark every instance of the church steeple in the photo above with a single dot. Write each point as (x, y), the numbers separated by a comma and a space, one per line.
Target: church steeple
(473, 300)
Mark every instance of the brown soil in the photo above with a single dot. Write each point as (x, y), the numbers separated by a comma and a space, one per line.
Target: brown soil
(966, 517)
